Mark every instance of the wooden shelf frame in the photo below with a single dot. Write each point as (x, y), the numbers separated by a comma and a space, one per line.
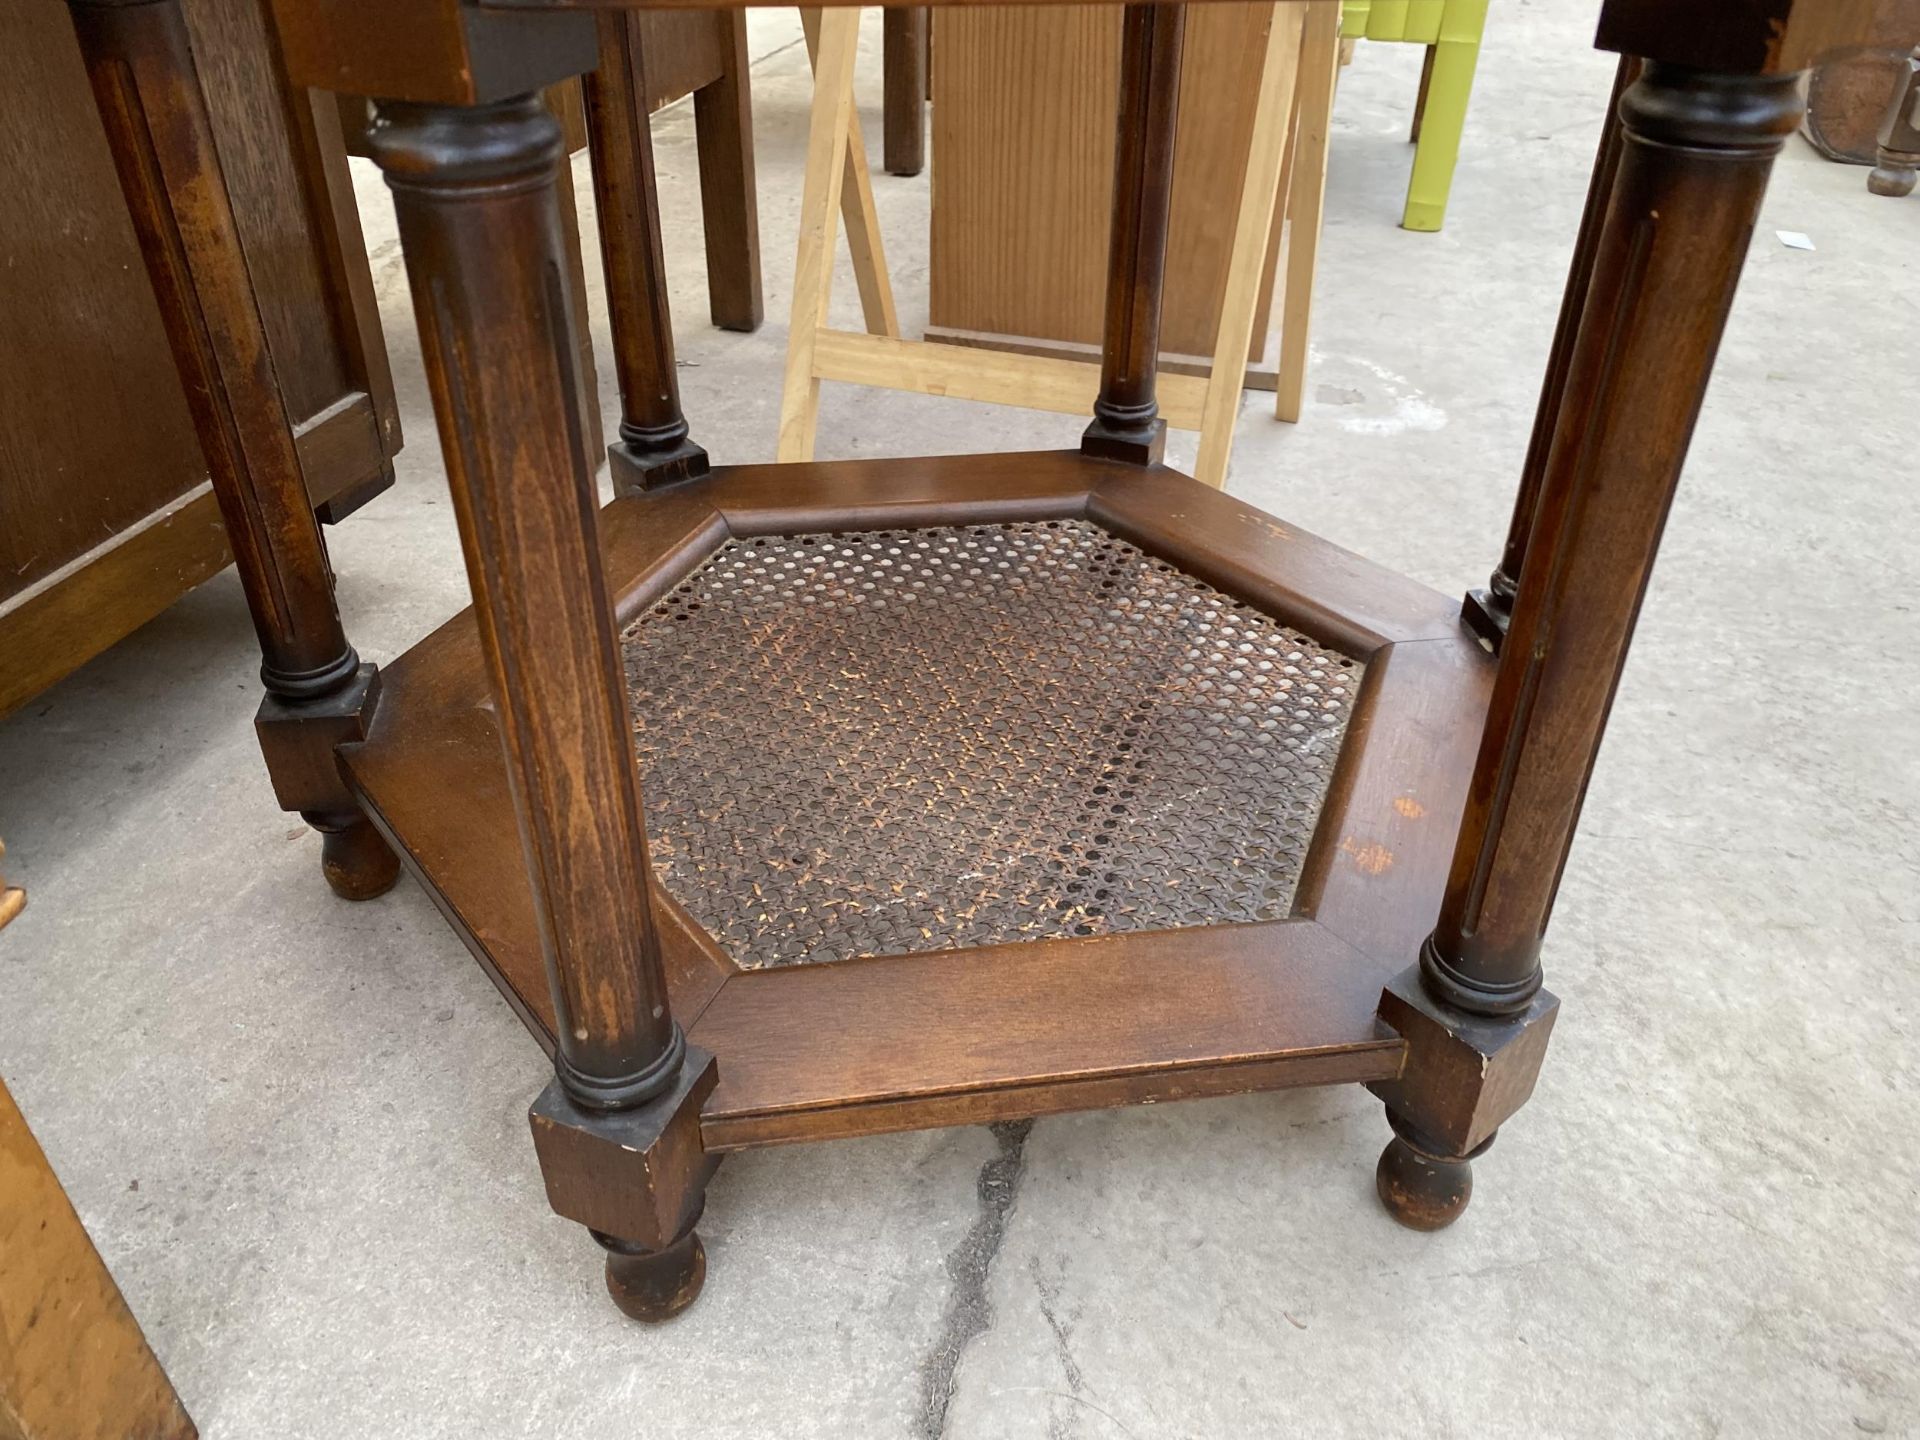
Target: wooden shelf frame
(1158, 1016)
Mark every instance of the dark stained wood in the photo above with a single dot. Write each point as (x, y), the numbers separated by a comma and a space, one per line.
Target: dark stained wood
(1696, 153)
(904, 60)
(102, 502)
(149, 95)
(1126, 423)
(1488, 611)
(433, 776)
(729, 203)
(446, 51)
(1736, 37)
(1029, 1029)
(1388, 826)
(519, 709)
(473, 192)
(653, 448)
(1332, 594)
(1898, 153)
(897, 494)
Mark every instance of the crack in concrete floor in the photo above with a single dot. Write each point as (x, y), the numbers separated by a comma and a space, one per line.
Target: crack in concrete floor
(969, 1265)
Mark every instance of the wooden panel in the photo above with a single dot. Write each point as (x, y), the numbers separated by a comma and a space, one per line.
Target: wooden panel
(61, 621)
(86, 379)
(1024, 100)
(73, 1363)
(1036, 1027)
(99, 465)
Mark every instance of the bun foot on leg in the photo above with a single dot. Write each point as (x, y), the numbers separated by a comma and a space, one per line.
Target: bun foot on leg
(1421, 1186)
(358, 864)
(654, 1285)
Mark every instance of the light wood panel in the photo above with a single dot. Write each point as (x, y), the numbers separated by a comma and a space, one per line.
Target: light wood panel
(1022, 182)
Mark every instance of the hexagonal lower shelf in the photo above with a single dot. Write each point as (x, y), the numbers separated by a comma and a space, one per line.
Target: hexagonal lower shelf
(892, 741)
(1129, 792)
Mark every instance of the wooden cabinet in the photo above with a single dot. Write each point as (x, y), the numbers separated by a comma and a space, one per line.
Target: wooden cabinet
(106, 515)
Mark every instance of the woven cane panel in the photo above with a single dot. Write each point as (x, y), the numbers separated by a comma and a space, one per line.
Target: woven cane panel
(909, 740)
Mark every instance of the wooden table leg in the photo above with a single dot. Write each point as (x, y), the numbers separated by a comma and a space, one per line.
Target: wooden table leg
(1126, 419)
(318, 693)
(1695, 150)
(904, 51)
(618, 1130)
(729, 203)
(1488, 611)
(653, 448)
(1898, 153)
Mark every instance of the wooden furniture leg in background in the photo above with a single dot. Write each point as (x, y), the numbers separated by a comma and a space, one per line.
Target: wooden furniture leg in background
(1695, 151)
(1305, 201)
(729, 200)
(1899, 150)
(653, 448)
(618, 1129)
(904, 56)
(1126, 418)
(1253, 225)
(1487, 612)
(319, 694)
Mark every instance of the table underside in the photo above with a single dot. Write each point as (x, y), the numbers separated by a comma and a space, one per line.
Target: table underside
(984, 786)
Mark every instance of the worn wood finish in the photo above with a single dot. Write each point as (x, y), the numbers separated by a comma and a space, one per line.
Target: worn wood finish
(1898, 152)
(654, 447)
(148, 91)
(473, 190)
(1488, 611)
(1126, 423)
(1451, 1039)
(1035, 1028)
(73, 1363)
(904, 35)
(1696, 150)
(431, 771)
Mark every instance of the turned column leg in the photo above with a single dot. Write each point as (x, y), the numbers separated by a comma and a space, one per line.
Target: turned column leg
(653, 448)
(1487, 612)
(618, 1130)
(1126, 420)
(318, 693)
(1695, 151)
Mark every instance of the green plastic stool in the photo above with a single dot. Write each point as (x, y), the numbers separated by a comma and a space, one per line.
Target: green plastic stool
(1451, 30)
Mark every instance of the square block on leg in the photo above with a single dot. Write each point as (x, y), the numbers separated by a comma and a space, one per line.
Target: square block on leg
(1465, 1074)
(637, 1174)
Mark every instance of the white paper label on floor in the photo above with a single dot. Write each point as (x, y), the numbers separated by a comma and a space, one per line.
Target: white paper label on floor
(1795, 240)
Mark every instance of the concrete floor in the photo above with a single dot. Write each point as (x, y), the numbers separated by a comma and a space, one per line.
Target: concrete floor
(297, 1127)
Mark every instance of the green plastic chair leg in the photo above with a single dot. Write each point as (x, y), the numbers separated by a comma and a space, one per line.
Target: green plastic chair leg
(1448, 88)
